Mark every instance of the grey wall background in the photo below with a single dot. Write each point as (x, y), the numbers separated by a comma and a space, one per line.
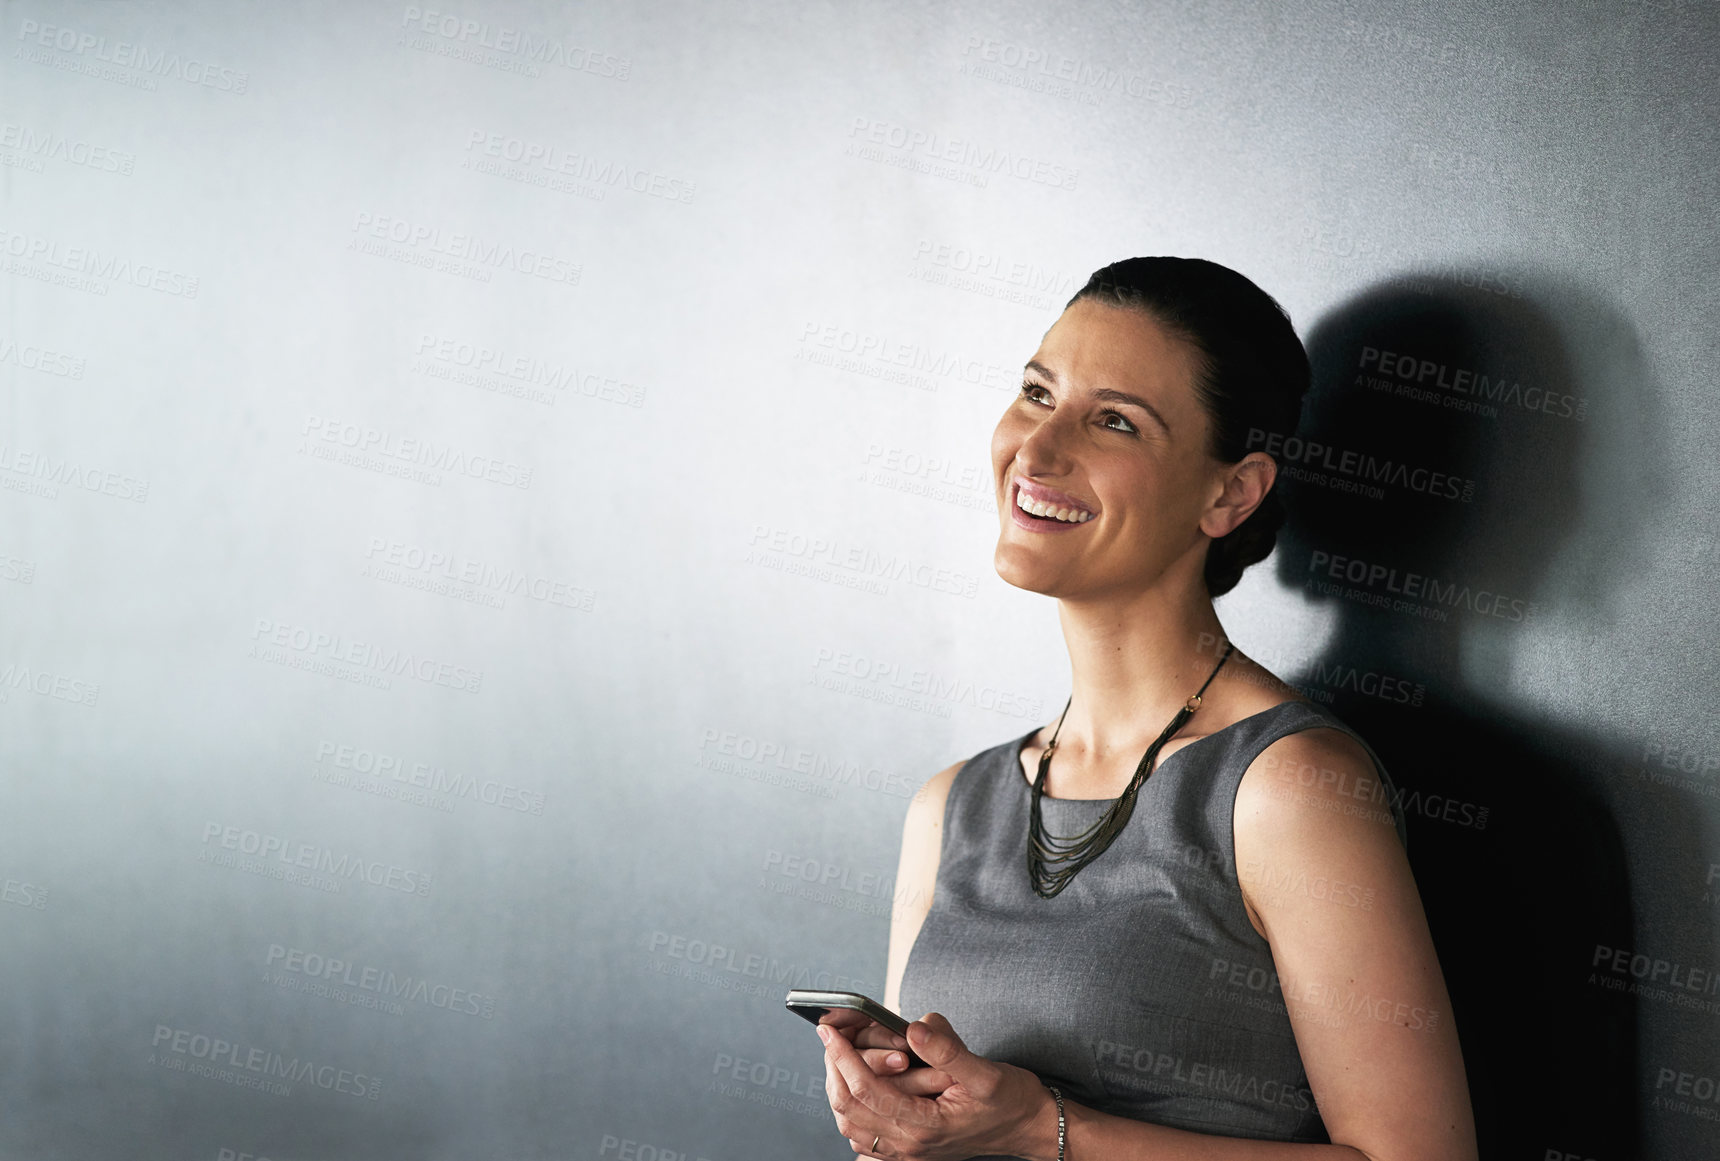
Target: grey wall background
(496, 523)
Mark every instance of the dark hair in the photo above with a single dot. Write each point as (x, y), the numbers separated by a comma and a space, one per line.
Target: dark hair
(1253, 373)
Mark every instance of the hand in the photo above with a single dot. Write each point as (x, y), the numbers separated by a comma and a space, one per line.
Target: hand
(981, 1107)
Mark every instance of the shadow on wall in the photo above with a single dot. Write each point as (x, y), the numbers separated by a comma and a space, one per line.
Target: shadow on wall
(1460, 484)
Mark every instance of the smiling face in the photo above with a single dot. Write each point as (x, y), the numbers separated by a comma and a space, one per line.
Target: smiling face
(1108, 442)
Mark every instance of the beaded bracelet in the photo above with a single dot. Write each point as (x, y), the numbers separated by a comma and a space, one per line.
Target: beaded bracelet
(1062, 1125)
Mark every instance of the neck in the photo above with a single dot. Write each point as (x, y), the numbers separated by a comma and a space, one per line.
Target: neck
(1134, 659)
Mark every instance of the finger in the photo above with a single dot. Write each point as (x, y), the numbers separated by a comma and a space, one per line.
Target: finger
(921, 1082)
(878, 1036)
(854, 1119)
(884, 1061)
(846, 1020)
(876, 1099)
(936, 1043)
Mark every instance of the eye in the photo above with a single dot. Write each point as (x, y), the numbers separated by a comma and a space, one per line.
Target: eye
(1127, 428)
(1028, 389)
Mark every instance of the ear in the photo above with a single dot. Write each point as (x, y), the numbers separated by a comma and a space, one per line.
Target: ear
(1244, 485)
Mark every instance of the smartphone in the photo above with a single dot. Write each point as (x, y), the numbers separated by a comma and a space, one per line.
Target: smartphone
(814, 1004)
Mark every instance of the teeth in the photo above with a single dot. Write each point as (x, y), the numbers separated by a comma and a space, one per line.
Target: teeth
(1039, 508)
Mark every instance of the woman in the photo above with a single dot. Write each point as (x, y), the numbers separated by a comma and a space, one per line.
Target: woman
(1179, 922)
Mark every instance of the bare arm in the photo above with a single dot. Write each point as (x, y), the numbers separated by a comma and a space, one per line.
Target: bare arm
(1357, 965)
(916, 875)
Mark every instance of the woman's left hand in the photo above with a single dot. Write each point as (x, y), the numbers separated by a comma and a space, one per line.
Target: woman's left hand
(988, 1107)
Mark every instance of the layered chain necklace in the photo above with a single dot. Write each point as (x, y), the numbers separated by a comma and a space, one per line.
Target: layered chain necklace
(1053, 861)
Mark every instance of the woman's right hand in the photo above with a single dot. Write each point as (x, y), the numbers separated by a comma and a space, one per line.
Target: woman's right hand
(886, 1054)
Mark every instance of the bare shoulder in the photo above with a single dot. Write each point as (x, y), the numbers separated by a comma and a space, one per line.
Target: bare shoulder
(929, 799)
(922, 839)
(922, 833)
(916, 873)
(1311, 778)
(1311, 814)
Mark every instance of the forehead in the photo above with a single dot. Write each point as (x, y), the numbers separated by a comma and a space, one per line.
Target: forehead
(1095, 345)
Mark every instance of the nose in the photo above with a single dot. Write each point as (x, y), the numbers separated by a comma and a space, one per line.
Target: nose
(1045, 448)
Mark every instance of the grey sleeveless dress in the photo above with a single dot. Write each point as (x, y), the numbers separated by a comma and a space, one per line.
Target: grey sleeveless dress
(1142, 989)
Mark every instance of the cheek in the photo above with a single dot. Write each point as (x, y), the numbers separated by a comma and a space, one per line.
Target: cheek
(1159, 500)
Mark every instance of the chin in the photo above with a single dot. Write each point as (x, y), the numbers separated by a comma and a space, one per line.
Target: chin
(1022, 575)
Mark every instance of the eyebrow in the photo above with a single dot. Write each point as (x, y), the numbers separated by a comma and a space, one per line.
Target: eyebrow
(1104, 393)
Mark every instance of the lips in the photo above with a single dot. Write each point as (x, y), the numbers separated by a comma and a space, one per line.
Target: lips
(1049, 505)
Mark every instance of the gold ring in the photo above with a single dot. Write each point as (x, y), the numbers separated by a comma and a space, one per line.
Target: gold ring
(875, 1141)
